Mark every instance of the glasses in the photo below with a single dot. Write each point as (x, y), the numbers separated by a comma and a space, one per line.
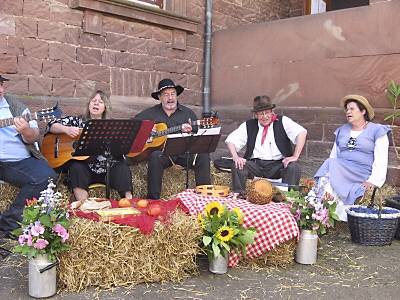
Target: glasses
(263, 113)
(351, 144)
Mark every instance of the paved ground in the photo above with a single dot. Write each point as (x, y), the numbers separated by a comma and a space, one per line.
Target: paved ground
(343, 271)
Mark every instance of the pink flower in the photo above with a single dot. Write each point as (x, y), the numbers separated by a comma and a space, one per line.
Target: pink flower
(37, 229)
(25, 238)
(297, 215)
(61, 231)
(41, 244)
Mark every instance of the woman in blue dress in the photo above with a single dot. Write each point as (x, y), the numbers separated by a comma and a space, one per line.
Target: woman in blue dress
(359, 157)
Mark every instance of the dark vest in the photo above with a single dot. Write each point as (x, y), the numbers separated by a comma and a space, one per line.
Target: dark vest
(282, 140)
(17, 108)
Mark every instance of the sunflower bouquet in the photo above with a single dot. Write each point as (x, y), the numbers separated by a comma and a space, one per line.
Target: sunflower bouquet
(223, 230)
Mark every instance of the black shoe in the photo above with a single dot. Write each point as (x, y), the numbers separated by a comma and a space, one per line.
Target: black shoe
(7, 235)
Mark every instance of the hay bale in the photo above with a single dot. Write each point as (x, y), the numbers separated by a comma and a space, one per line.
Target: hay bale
(106, 255)
(8, 193)
(174, 179)
(281, 256)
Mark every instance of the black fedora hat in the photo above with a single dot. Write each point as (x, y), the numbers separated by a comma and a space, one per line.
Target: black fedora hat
(262, 103)
(166, 84)
(2, 79)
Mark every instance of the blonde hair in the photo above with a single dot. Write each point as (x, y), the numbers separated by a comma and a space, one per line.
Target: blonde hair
(107, 103)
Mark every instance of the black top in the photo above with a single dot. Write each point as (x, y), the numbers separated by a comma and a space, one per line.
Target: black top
(158, 115)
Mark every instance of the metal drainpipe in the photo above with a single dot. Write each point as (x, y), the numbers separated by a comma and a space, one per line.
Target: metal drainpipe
(207, 61)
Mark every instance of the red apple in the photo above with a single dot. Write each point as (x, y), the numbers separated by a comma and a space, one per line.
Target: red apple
(154, 209)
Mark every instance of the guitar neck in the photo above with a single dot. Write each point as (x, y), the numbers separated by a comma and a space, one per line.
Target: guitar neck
(10, 121)
(172, 129)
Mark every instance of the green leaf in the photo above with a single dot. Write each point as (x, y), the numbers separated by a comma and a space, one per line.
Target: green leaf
(45, 220)
(226, 246)
(216, 250)
(207, 240)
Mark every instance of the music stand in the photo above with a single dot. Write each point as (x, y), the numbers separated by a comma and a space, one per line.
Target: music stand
(190, 145)
(109, 138)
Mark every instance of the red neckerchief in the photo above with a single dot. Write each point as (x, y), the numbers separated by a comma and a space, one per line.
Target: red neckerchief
(274, 117)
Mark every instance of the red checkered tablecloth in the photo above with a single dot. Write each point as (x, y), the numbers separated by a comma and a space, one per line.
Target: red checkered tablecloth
(274, 222)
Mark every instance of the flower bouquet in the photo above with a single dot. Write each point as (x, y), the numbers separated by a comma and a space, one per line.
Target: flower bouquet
(223, 230)
(44, 227)
(314, 211)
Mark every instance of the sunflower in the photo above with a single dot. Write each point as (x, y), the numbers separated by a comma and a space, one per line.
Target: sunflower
(225, 233)
(214, 207)
(239, 214)
(200, 220)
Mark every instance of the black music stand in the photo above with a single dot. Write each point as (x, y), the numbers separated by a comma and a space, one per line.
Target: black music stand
(109, 138)
(190, 145)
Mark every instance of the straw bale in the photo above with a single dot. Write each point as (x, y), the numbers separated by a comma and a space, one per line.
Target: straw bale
(106, 255)
(8, 193)
(281, 256)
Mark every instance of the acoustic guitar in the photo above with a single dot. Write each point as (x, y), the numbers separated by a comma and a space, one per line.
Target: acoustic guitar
(45, 115)
(158, 137)
(58, 149)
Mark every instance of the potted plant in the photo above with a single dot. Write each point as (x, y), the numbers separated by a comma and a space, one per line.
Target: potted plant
(42, 235)
(314, 213)
(223, 231)
(393, 94)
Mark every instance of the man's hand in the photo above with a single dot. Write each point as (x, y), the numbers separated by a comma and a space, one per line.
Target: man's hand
(21, 124)
(367, 185)
(186, 128)
(288, 160)
(72, 131)
(239, 162)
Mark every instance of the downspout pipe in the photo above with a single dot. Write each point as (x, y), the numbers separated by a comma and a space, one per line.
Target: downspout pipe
(207, 60)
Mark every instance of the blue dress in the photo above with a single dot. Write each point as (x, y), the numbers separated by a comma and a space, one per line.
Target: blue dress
(353, 164)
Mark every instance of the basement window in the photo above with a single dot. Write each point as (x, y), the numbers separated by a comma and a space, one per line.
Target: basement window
(320, 6)
(156, 3)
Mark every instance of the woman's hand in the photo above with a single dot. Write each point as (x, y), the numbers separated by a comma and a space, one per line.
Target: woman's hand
(367, 185)
(72, 131)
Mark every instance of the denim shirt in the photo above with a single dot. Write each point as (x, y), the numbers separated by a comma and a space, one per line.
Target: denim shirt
(11, 147)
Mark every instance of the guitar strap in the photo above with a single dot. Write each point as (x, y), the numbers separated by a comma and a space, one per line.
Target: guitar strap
(16, 109)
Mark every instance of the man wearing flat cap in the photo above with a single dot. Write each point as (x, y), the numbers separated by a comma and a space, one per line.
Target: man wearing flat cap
(268, 138)
(172, 113)
(21, 164)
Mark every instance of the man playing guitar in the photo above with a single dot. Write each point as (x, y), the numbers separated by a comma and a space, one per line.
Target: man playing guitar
(21, 164)
(172, 113)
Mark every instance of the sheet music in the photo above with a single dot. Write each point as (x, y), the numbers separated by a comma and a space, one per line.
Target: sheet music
(201, 131)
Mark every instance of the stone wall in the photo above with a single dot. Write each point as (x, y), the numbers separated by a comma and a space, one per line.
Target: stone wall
(66, 49)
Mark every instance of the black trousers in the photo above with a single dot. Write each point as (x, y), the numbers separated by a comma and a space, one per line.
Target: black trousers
(264, 168)
(81, 176)
(158, 162)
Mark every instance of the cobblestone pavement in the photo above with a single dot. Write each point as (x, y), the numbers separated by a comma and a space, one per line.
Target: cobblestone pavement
(344, 270)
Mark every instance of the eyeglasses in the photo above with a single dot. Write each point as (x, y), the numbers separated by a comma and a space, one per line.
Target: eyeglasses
(263, 113)
(351, 144)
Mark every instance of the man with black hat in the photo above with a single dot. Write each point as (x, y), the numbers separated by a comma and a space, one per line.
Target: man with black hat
(269, 150)
(21, 164)
(172, 113)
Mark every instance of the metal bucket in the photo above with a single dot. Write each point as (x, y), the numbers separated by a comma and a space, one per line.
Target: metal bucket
(219, 264)
(306, 251)
(42, 282)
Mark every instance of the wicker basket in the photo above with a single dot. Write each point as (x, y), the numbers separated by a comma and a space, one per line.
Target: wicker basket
(372, 226)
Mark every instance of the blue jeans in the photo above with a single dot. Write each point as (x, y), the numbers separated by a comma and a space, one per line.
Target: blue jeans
(31, 175)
